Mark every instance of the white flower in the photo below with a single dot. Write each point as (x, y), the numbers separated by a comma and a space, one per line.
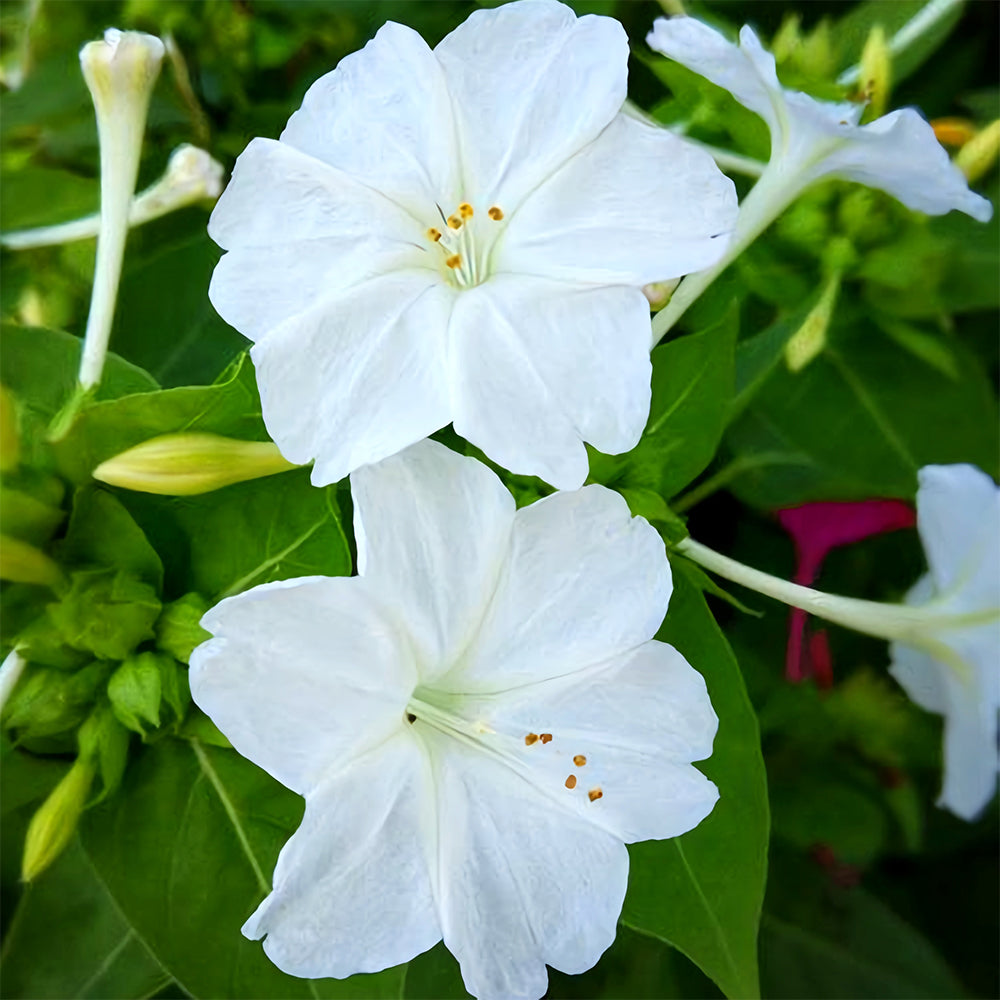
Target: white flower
(478, 722)
(461, 235)
(955, 671)
(811, 139)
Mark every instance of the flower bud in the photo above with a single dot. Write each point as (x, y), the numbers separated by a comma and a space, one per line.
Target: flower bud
(23, 563)
(120, 72)
(980, 153)
(876, 72)
(658, 293)
(192, 175)
(189, 464)
(53, 825)
(810, 338)
(953, 132)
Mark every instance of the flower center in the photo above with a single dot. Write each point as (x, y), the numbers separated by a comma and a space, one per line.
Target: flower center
(465, 242)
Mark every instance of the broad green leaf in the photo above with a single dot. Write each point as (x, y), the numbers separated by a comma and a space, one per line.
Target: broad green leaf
(692, 385)
(186, 849)
(40, 366)
(98, 955)
(702, 892)
(101, 532)
(434, 975)
(271, 529)
(860, 421)
(42, 196)
(230, 407)
(828, 942)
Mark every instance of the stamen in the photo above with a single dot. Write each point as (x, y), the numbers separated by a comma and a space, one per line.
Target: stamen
(495, 213)
(571, 781)
(579, 760)
(454, 222)
(530, 739)
(465, 210)
(594, 794)
(546, 737)
(454, 261)
(410, 718)
(434, 234)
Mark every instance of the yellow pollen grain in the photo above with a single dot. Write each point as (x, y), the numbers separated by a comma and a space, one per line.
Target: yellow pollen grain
(433, 234)
(454, 222)
(546, 737)
(530, 739)
(594, 794)
(465, 210)
(454, 261)
(579, 760)
(571, 781)
(495, 213)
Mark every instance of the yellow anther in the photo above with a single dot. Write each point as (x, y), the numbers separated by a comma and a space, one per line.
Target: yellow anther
(465, 210)
(571, 781)
(954, 132)
(495, 213)
(530, 739)
(454, 222)
(594, 794)
(454, 261)
(579, 760)
(433, 234)
(546, 737)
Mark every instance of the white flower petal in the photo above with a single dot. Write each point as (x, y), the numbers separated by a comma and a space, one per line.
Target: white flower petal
(384, 117)
(584, 581)
(352, 887)
(636, 205)
(747, 71)
(432, 529)
(302, 673)
(523, 883)
(917, 672)
(628, 728)
(958, 517)
(278, 194)
(532, 84)
(358, 377)
(899, 154)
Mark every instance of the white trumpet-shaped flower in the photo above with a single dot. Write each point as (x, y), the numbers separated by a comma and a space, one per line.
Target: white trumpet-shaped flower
(461, 235)
(479, 722)
(810, 140)
(955, 671)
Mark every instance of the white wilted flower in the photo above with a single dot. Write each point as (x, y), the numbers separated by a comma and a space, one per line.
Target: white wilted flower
(479, 722)
(461, 235)
(955, 672)
(810, 140)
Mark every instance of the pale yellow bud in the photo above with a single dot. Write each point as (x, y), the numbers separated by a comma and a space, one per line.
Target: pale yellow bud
(658, 293)
(23, 563)
(53, 825)
(788, 40)
(876, 72)
(10, 438)
(188, 464)
(809, 340)
(980, 153)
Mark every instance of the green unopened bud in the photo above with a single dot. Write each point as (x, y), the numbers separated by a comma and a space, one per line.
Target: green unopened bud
(178, 629)
(788, 39)
(187, 464)
(23, 563)
(810, 338)
(120, 72)
(815, 57)
(658, 293)
(876, 72)
(53, 825)
(10, 439)
(980, 153)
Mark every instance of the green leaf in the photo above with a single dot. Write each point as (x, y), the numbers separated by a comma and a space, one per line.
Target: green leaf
(106, 612)
(186, 849)
(271, 529)
(47, 702)
(103, 430)
(860, 421)
(28, 518)
(178, 630)
(702, 892)
(101, 532)
(692, 385)
(651, 506)
(99, 956)
(820, 940)
(40, 366)
(43, 196)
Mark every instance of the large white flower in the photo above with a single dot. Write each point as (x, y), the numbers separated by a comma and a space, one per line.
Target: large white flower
(479, 722)
(811, 139)
(955, 670)
(461, 235)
